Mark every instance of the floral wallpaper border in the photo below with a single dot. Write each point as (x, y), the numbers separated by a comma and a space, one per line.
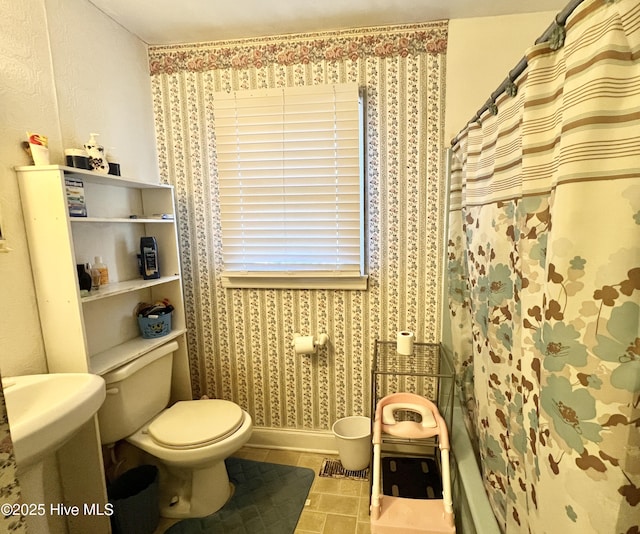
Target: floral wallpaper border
(304, 49)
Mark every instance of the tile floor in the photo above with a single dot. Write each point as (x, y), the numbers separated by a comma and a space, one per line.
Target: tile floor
(335, 506)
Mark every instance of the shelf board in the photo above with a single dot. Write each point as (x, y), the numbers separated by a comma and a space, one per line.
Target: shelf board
(128, 351)
(119, 288)
(118, 220)
(93, 177)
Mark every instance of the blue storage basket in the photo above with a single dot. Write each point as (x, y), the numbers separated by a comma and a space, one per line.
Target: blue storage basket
(151, 327)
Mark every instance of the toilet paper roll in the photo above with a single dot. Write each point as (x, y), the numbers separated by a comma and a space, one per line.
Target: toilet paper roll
(405, 343)
(303, 345)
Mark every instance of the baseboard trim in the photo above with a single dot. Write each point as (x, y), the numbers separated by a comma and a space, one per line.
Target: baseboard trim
(319, 442)
(293, 440)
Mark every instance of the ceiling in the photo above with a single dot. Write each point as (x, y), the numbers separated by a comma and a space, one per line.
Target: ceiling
(189, 21)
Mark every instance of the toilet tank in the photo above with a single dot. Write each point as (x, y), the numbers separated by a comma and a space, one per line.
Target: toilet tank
(136, 392)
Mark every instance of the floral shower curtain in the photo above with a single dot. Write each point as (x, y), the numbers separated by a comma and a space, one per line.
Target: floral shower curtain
(544, 281)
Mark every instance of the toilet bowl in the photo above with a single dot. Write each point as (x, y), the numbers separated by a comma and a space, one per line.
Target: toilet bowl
(188, 441)
(191, 440)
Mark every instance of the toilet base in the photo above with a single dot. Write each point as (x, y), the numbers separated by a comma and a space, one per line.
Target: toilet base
(210, 485)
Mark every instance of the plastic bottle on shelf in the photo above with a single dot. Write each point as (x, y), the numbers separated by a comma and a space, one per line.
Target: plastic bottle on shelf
(95, 276)
(104, 272)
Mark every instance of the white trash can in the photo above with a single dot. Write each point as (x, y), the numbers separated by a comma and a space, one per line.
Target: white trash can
(353, 435)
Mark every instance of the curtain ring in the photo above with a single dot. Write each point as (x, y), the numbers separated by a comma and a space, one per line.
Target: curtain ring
(493, 109)
(511, 88)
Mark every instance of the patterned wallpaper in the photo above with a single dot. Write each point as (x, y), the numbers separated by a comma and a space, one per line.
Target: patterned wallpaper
(9, 487)
(240, 340)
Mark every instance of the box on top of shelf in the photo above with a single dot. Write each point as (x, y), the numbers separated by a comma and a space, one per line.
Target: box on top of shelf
(75, 197)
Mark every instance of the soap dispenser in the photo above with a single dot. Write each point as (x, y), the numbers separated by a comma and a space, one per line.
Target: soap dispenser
(97, 157)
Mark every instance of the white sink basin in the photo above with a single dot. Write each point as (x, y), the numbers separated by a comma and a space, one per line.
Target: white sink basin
(46, 410)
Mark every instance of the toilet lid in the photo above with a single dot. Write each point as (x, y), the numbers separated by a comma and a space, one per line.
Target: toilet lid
(190, 424)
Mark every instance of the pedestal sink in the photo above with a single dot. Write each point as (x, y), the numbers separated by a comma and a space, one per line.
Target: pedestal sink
(44, 412)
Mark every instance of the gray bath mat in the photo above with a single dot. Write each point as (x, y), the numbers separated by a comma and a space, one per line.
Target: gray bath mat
(333, 468)
(268, 499)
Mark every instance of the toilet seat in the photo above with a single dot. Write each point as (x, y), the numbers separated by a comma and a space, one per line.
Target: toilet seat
(193, 424)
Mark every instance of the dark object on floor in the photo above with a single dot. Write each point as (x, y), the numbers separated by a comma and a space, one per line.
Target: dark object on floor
(268, 498)
(134, 497)
(411, 478)
(334, 469)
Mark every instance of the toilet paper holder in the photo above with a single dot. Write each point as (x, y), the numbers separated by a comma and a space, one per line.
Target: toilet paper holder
(319, 341)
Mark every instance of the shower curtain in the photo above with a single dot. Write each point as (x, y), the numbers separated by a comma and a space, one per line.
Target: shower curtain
(544, 281)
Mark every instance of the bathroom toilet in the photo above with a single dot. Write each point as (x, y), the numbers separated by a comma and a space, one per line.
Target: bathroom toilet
(188, 441)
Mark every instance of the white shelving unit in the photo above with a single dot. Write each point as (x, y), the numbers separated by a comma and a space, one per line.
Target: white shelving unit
(99, 332)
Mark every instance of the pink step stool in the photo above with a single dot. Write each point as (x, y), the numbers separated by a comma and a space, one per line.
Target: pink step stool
(397, 515)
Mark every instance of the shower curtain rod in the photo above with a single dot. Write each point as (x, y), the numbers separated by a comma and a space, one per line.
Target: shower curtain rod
(560, 20)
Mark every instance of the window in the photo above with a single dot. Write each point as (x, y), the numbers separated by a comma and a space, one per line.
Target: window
(290, 170)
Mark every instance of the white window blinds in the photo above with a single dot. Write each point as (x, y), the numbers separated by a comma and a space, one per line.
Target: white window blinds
(290, 178)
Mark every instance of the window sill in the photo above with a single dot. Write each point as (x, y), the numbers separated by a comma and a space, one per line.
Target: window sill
(295, 280)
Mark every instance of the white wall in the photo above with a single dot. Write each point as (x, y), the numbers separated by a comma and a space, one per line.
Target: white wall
(26, 102)
(101, 74)
(66, 70)
(480, 54)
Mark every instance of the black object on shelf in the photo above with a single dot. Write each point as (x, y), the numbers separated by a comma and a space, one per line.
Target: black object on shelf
(149, 256)
(84, 278)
